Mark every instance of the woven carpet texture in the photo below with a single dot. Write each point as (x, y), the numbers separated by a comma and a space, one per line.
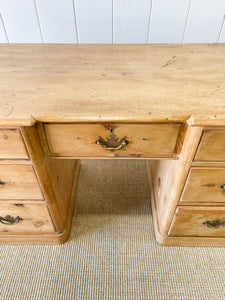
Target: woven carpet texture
(112, 252)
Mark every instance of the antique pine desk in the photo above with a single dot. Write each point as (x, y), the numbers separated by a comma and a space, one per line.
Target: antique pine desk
(162, 103)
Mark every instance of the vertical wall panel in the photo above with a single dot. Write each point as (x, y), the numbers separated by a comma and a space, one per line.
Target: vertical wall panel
(168, 19)
(131, 21)
(94, 21)
(118, 21)
(57, 21)
(3, 38)
(20, 21)
(205, 20)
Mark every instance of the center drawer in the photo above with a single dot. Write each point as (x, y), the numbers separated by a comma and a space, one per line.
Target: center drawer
(117, 140)
(18, 182)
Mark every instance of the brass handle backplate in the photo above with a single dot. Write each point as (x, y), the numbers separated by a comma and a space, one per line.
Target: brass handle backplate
(112, 142)
(214, 224)
(9, 220)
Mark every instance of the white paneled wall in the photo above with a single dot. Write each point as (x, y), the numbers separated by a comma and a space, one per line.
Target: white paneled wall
(3, 36)
(57, 20)
(94, 21)
(168, 20)
(204, 21)
(112, 21)
(131, 21)
(20, 21)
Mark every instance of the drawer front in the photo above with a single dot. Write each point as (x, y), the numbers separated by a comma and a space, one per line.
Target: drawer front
(204, 185)
(18, 218)
(212, 146)
(143, 140)
(11, 144)
(19, 182)
(198, 221)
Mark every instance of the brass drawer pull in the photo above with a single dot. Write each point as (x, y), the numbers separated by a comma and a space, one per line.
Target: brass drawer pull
(112, 142)
(222, 186)
(214, 224)
(9, 220)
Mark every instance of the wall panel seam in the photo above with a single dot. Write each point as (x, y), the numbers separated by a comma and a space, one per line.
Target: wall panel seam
(186, 22)
(75, 20)
(38, 19)
(3, 25)
(221, 29)
(149, 23)
(112, 22)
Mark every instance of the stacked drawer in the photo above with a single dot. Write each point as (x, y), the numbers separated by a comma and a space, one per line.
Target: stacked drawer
(201, 210)
(22, 207)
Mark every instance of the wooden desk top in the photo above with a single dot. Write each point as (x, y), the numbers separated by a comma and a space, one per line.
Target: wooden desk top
(81, 83)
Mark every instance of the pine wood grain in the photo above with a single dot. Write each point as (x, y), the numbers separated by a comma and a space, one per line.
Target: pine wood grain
(11, 144)
(162, 176)
(111, 83)
(212, 146)
(33, 144)
(19, 182)
(188, 221)
(144, 140)
(62, 177)
(57, 179)
(43, 237)
(165, 240)
(35, 218)
(161, 97)
(176, 173)
(204, 186)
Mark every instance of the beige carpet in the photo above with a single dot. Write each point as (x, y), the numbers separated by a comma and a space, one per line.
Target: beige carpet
(112, 253)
